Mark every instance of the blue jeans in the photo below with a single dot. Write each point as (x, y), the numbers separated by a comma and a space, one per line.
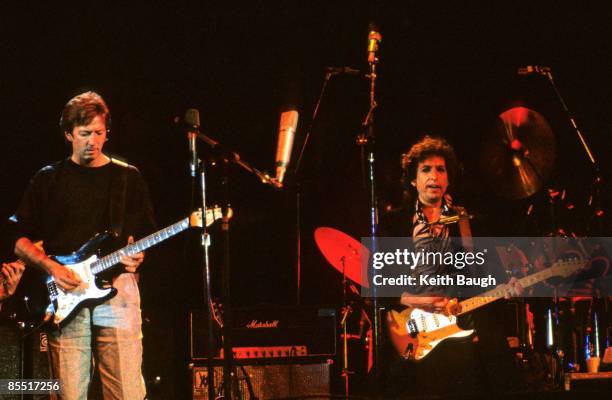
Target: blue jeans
(111, 332)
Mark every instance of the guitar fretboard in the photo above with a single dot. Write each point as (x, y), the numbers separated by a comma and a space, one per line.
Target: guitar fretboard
(500, 291)
(114, 258)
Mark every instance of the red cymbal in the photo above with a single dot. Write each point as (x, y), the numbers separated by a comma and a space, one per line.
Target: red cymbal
(340, 249)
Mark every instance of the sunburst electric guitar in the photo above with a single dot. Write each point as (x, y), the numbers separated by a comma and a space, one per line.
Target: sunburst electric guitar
(415, 333)
(85, 262)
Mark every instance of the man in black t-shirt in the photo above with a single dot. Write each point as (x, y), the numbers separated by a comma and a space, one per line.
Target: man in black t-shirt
(64, 205)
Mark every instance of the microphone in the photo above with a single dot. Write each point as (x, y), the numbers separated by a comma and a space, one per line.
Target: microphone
(374, 39)
(342, 70)
(192, 119)
(534, 69)
(286, 134)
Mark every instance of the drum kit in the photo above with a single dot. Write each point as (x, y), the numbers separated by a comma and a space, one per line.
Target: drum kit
(518, 157)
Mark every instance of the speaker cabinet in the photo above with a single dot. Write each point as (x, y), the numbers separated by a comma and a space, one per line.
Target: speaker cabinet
(267, 381)
(10, 352)
(22, 357)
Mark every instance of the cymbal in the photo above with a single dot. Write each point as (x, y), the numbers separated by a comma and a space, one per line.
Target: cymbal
(342, 251)
(518, 154)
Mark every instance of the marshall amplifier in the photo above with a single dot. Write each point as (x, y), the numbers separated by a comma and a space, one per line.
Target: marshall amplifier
(273, 333)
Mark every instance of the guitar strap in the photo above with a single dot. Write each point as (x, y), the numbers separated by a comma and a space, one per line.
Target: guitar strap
(464, 229)
(118, 197)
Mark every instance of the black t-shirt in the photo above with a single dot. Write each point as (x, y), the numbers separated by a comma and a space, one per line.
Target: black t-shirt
(66, 204)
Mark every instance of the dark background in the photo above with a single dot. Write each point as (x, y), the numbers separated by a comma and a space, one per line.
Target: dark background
(445, 69)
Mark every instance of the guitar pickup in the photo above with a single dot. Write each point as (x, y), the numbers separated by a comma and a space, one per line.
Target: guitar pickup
(413, 330)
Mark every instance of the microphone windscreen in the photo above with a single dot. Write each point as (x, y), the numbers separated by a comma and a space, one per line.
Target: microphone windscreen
(192, 117)
(289, 119)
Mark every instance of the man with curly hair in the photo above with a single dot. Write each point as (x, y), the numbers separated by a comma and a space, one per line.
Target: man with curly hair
(429, 169)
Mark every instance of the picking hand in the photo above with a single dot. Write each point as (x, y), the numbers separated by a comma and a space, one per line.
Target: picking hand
(65, 278)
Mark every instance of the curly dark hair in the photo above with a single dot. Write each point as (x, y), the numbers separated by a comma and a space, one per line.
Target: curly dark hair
(82, 109)
(426, 147)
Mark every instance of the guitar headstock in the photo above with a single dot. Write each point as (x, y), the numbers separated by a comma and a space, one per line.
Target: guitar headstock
(212, 214)
(566, 268)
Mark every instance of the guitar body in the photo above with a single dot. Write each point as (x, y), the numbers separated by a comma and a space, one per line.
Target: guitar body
(414, 333)
(65, 305)
(86, 264)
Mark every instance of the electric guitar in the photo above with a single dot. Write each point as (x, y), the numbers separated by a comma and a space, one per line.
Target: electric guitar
(85, 262)
(415, 333)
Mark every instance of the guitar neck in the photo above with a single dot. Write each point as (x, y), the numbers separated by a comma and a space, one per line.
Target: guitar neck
(500, 291)
(114, 258)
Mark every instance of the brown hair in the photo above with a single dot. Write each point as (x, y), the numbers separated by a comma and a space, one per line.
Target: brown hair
(426, 147)
(82, 109)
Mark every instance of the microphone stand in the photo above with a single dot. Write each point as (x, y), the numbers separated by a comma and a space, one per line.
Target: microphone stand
(228, 357)
(346, 312)
(197, 168)
(225, 288)
(595, 189)
(366, 139)
(548, 74)
(234, 157)
(298, 188)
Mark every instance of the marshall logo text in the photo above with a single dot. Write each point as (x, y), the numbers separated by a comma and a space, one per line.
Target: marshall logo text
(255, 324)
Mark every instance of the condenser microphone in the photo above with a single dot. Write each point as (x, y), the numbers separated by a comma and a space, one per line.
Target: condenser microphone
(192, 120)
(286, 134)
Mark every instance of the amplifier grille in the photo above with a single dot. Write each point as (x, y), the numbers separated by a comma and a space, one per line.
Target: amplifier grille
(268, 381)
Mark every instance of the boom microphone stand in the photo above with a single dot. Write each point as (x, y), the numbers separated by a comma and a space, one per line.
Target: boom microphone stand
(595, 190)
(196, 168)
(234, 158)
(366, 139)
(298, 190)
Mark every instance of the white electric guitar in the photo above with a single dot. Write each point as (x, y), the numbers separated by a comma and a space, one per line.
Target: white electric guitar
(415, 333)
(86, 264)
